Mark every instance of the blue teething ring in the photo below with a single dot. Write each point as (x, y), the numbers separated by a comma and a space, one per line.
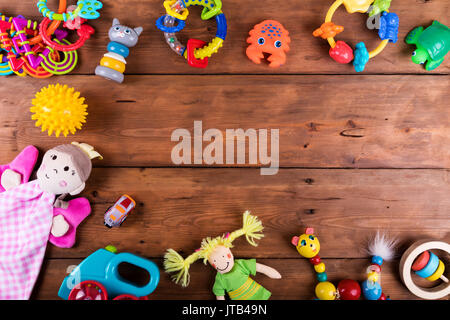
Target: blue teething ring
(160, 25)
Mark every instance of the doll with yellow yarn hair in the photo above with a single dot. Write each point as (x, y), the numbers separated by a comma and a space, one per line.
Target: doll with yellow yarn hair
(233, 275)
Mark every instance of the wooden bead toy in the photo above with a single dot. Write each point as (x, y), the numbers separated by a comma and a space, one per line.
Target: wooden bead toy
(380, 248)
(424, 263)
(112, 65)
(349, 290)
(429, 266)
(308, 246)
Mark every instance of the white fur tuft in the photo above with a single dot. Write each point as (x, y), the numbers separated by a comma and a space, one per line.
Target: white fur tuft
(382, 246)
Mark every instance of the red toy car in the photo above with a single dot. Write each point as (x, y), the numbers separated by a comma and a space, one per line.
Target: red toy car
(116, 215)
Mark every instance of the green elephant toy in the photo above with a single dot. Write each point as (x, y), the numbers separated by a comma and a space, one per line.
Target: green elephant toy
(432, 43)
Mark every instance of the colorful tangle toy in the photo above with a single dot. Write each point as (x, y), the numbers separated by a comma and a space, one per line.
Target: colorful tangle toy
(41, 50)
(380, 248)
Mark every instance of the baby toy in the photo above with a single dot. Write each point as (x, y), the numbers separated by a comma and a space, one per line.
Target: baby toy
(233, 276)
(86, 9)
(97, 278)
(196, 51)
(84, 33)
(268, 37)
(426, 264)
(112, 65)
(378, 6)
(381, 248)
(340, 51)
(116, 215)
(28, 218)
(432, 44)
(308, 246)
(39, 49)
(59, 109)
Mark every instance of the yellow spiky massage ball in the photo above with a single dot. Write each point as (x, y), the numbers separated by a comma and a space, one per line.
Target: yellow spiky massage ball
(59, 109)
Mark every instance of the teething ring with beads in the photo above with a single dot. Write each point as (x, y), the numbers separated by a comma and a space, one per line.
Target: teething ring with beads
(428, 266)
(177, 12)
(340, 51)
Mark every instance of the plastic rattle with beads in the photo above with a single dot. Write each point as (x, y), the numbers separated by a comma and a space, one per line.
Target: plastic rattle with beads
(424, 263)
(197, 52)
(380, 18)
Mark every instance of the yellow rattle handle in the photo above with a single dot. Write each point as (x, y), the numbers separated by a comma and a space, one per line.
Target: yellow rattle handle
(168, 6)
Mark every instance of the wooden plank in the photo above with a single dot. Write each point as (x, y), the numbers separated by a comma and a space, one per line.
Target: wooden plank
(298, 279)
(308, 54)
(324, 121)
(176, 208)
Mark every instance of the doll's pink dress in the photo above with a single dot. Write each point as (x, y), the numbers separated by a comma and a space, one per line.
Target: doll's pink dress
(26, 217)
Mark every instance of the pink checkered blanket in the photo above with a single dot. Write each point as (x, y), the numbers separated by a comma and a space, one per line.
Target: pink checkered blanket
(26, 214)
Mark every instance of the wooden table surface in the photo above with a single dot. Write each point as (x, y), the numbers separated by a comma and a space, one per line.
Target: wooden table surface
(358, 152)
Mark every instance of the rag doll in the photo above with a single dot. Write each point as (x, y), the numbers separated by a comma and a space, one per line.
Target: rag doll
(233, 275)
(30, 216)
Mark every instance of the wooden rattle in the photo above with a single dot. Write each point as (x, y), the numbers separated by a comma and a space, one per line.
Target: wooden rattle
(425, 264)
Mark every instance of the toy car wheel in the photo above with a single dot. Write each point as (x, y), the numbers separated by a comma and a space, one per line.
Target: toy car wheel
(88, 290)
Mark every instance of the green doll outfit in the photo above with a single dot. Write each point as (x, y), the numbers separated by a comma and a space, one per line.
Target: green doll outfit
(238, 284)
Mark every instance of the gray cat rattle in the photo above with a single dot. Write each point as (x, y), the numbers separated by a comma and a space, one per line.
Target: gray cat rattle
(112, 65)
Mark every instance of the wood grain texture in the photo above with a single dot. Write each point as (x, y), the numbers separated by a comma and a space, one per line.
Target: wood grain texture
(298, 279)
(308, 55)
(324, 121)
(177, 208)
(359, 152)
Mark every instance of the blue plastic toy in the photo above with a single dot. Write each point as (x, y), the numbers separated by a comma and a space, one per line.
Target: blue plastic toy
(389, 23)
(361, 57)
(99, 273)
(89, 9)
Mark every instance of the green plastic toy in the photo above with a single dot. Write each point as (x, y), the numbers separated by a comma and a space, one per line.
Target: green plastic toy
(432, 43)
(379, 6)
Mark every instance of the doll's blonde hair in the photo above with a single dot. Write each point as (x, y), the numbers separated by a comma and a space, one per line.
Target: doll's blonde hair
(173, 262)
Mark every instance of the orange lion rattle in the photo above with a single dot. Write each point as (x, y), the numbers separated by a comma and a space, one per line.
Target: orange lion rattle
(268, 37)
